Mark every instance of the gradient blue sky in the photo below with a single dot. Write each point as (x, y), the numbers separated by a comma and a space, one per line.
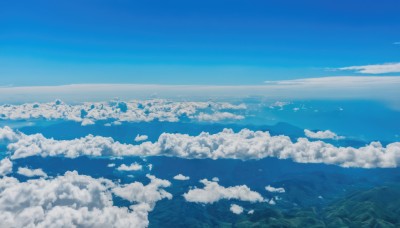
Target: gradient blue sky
(47, 42)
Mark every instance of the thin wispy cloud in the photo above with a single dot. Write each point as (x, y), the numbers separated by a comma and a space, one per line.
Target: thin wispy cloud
(374, 68)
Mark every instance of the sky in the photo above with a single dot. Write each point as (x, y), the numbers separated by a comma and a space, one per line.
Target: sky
(204, 42)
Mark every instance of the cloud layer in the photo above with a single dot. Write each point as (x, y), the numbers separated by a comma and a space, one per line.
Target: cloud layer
(118, 111)
(244, 145)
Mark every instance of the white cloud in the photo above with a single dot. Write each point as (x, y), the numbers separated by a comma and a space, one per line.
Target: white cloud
(244, 145)
(272, 201)
(73, 200)
(213, 192)
(250, 212)
(31, 172)
(279, 104)
(138, 193)
(132, 167)
(111, 165)
(269, 188)
(217, 116)
(87, 122)
(133, 111)
(236, 209)
(5, 166)
(215, 179)
(322, 135)
(328, 87)
(140, 138)
(375, 68)
(181, 177)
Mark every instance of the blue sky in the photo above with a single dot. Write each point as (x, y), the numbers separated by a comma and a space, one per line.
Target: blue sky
(192, 42)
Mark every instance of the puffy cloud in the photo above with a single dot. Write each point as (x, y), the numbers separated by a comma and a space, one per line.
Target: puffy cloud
(31, 172)
(375, 68)
(181, 177)
(111, 165)
(322, 135)
(138, 193)
(133, 111)
(213, 192)
(250, 212)
(271, 201)
(8, 135)
(244, 145)
(140, 138)
(71, 200)
(215, 179)
(236, 209)
(86, 122)
(269, 188)
(5, 166)
(132, 167)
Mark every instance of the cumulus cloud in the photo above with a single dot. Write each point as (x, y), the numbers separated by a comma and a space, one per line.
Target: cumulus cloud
(119, 111)
(375, 68)
(327, 134)
(72, 200)
(269, 188)
(31, 172)
(213, 192)
(244, 145)
(138, 193)
(5, 167)
(271, 201)
(181, 177)
(132, 167)
(140, 138)
(236, 209)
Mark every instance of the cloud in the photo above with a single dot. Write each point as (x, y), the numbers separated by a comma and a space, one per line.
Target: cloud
(132, 167)
(322, 135)
(215, 179)
(396, 43)
(118, 111)
(375, 68)
(31, 172)
(181, 177)
(244, 145)
(73, 200)
(213, 192)
(218, 116)
(236, 209)
(384, 88)
(140, 138)
(111, 165)
(272, 201)
(279, 104)
(269, 188)
(5, 166)
(138, 193)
